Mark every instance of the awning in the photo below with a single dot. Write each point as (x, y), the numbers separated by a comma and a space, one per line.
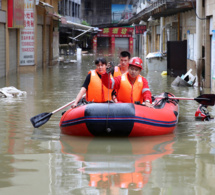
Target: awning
(49, 8)
(76, 26)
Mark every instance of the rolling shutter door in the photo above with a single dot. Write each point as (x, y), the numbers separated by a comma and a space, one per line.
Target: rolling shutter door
(55, 45)
(39, 45)
(2, 51)
(122, 43)
(13, 50)
(47, 44)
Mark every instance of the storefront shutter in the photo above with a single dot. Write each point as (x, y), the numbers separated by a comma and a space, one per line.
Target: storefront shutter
(2, 51)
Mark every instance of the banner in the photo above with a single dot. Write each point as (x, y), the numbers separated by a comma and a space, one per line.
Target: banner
(27, 35)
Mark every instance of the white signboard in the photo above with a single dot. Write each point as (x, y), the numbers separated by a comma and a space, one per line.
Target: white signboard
(27, 35)
(213, 55)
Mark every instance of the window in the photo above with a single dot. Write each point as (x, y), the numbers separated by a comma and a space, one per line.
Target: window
(66, 7)
(70, 8)
(78, 11)
(73, 9)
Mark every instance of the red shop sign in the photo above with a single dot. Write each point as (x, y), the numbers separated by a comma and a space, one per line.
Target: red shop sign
(116, 32)
(140, 29)
(15, 13)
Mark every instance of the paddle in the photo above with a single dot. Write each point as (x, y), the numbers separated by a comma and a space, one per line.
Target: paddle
(205, 99)
(42, 118)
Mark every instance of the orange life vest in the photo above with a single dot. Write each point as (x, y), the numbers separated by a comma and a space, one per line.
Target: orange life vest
(117, 71)
(97, 92)
(130, 93)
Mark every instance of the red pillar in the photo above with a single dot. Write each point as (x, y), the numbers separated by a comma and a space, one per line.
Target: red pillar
(112, 44)
(131, 45)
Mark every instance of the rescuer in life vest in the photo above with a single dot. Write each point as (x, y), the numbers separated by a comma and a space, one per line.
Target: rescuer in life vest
(120, 69)
(122, 66)
(93, 87)
(131, 87)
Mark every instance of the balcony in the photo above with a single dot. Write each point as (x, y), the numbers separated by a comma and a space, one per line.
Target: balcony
(162, 8)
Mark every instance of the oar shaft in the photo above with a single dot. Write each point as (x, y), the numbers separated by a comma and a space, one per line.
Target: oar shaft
(175, 98)
(62, 107)
(180, 98)
(198, 99)
(184, 98)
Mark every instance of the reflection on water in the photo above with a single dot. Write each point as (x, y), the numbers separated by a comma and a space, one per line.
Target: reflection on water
(118, 164)
(42, 161)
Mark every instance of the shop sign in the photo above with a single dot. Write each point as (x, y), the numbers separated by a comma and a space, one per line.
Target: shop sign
(140, 29)
(116, 32)
(27, 35)
(15, 13)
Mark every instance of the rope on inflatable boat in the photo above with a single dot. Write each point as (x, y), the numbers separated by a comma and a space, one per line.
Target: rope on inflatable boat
(108, 129)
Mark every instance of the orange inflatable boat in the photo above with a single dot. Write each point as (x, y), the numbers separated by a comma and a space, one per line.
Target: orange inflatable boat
(121, 119)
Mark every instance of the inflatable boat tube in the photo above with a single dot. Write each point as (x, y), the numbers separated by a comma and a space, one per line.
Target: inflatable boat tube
(121, 119)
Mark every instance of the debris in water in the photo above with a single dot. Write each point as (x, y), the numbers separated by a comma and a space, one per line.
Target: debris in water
(11, 92)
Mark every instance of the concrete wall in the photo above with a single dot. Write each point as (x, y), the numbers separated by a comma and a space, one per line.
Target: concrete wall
(210, 8)
(188, 24)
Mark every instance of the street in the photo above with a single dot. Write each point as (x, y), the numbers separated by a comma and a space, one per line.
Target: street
(43, 161)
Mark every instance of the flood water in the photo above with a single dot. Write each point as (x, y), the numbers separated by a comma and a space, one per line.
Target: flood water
(44, 161)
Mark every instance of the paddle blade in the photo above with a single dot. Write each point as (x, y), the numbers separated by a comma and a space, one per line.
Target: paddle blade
(40, 119)
(206, 99)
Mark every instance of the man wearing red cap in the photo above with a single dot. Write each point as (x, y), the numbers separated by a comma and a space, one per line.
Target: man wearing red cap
(131, 87)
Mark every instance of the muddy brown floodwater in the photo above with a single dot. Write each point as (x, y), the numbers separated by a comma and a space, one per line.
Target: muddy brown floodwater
(43, 161)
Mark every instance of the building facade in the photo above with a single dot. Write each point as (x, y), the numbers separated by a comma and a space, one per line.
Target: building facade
(167, 22)
(107, 16)
(74, 32)
(209, 43)
(28, 35)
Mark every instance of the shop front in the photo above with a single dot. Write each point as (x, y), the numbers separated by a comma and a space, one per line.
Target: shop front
(116, 38)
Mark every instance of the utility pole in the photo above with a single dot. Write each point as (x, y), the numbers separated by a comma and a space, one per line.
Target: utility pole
(161, 33)
(199, 41)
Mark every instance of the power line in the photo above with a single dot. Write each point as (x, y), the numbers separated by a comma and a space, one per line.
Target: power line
(196, 13)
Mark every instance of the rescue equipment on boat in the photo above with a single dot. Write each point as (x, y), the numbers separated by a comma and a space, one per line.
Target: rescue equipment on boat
(202, 113)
